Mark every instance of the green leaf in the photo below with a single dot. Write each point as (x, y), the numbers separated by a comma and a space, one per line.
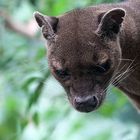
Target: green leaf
(30, 80)
(34, 97)
(36, 118)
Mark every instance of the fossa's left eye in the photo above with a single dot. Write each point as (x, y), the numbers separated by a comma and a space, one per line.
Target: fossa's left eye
(63, 74)
(103, 68)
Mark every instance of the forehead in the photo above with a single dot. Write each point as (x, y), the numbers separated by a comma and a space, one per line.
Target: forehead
(76, 38)
(78, 25)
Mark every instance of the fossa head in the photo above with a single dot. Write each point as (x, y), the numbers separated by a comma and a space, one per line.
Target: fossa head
(83, 52)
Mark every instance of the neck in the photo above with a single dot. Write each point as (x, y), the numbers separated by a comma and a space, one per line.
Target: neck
(130, 39)
(129, 68)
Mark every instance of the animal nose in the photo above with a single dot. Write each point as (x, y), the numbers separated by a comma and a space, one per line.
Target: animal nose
(86, 104)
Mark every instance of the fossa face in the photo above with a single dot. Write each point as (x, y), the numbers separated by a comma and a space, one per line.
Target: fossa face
(83, 52)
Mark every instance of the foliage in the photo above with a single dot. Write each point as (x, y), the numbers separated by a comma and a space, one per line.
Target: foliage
(33, 105)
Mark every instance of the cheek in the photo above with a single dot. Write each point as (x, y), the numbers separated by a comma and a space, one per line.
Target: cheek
(67, 84)
(100, 92)
(115, 64)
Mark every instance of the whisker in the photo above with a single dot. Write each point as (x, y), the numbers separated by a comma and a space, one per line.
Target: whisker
(125, 59)
(128, 68)
(129, 71)
(112, 79)
(44, 68)
(117, 80)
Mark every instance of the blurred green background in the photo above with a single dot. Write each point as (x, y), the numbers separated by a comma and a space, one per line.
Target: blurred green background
(33, 105)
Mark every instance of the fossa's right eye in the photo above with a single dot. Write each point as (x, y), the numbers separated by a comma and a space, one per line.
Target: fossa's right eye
(63, 74)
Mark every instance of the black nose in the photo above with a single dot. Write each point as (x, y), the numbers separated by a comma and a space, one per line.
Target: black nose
(86, 104)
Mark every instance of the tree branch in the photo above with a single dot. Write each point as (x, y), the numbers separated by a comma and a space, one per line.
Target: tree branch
(29, 30)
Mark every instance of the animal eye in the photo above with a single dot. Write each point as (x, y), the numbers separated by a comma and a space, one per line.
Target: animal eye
(64, 74)
(103, 68)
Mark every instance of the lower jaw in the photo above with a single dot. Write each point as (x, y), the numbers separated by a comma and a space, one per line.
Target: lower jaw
(86, 110)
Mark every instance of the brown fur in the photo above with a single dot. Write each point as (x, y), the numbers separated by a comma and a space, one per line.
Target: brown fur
(82, 40)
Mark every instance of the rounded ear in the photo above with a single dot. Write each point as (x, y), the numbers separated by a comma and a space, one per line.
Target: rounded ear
(110, 22)
(48, 24)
